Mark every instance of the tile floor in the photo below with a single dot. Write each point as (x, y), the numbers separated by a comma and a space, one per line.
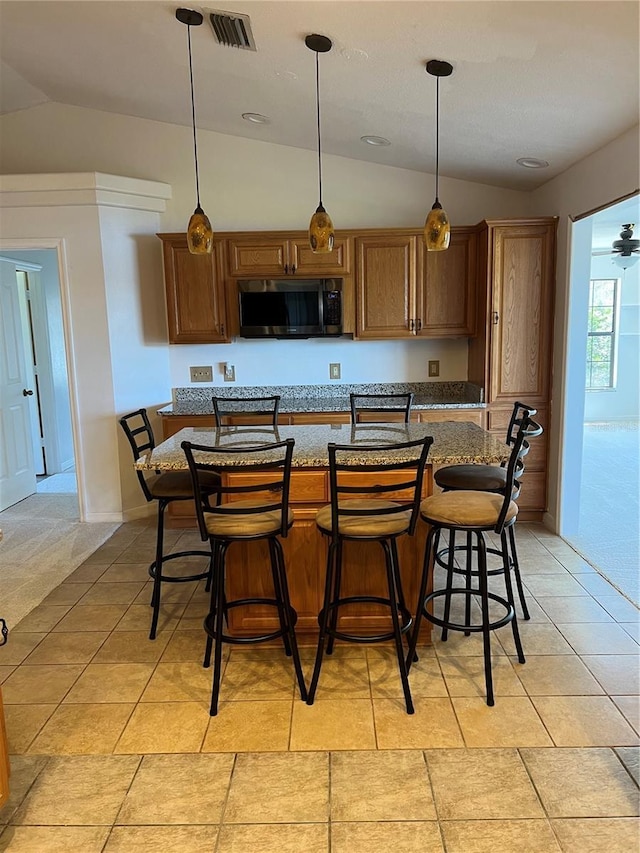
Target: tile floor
(113, 748)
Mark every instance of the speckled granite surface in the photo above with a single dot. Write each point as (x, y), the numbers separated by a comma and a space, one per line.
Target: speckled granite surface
(328, 398)
(453, 442)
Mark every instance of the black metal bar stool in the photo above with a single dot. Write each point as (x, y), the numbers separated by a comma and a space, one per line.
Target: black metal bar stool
(475, 513)
(164, 488)
(490, 478)
(380, 407)
(263, 515)
(362, 472)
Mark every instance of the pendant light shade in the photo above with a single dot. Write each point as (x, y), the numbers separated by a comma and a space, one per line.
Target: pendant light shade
(199, 231)
(321, 227)
(437, 230)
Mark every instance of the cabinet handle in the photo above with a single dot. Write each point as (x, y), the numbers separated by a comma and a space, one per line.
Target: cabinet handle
(412, 325)
(495, 318)
(419, 322)
(293, 270)
(286, 269)
(222, 330)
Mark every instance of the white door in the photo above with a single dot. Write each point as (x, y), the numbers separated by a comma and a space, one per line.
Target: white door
(17, 471)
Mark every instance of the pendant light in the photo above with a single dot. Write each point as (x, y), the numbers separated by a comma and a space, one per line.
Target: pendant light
(437, 231)
(321, 227)
(199, 231)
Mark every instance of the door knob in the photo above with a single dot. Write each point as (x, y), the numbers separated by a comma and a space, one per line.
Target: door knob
(27, 393)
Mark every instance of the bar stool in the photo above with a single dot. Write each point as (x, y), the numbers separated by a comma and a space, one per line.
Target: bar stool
(386, 406)
(244, 410)
(163, 488)
(491, 478)
(371, 516)
(476, 513)
(263, 515)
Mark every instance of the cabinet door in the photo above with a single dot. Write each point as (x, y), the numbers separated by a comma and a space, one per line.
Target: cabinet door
(305, 262)
(387, 276)
(194, 285)
(257, 256)
(449, 288)
(521, 312)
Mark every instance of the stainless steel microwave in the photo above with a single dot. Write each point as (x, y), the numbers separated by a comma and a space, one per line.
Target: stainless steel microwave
(300, 308)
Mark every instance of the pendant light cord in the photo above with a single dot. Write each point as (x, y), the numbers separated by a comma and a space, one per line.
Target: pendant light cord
(318, 125)
(437, 133)
(193, 118)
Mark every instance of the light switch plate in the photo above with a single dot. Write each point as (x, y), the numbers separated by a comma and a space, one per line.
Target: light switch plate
(434, 368)
(201, 374)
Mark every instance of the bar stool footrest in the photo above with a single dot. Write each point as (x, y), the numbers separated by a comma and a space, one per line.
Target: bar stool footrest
(181, 578)
(455, 626)
(209, 622)
(406, 619)
(443, 563)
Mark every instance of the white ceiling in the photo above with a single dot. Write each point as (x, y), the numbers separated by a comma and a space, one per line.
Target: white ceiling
(552, 80)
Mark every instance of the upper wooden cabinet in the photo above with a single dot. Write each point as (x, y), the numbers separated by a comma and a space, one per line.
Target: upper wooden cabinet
(265, 254)
(195, 292)
(448, 303)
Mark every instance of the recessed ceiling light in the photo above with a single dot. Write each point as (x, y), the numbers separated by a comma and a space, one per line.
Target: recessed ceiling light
(375, 140)
(256, 118)
(354, 53)
(532, 163)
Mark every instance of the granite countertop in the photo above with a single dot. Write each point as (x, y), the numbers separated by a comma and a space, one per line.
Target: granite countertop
(453, 443)
(330, 398)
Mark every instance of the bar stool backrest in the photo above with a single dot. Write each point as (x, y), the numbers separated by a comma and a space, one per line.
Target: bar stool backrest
(374, 460)
(139, 433)
(363, 406)
(520, 410)
(269, 467)
(527, 430)
(247, 410)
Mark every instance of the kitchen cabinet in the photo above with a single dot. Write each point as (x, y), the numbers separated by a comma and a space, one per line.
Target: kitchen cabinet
(447, 303)
(195, 292)
(511, 355)
(267, 255)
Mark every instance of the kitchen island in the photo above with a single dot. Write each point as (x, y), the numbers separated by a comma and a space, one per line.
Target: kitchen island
(305, 548)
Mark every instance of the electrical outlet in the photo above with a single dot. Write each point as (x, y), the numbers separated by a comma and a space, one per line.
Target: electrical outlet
(201, 374)
(434, 368)
(334, 371)
(229, 372)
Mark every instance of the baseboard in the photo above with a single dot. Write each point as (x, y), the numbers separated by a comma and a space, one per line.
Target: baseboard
(138, 512)
(93, 517)
(69, 465)
(550, 523)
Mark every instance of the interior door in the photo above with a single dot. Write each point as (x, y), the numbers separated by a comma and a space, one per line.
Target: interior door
(17, 471)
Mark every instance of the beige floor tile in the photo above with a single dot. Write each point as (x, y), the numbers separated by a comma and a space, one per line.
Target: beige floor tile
(87, 573)
(574, 608)
(556, 675)
(165, 727)
(410, 837)
(24, 771)
(584, 721)
(39, 684)
(341, 677)
(67, 593)
(82, 730)
(78, 790)
(632, 629)
(245, 678)
(186, 646)
(425, 678)
(5, 672)
(630, 708)
(487, 836)
(599, 639)
(42, 618)
(249, 727)
(536, 613)
(67, 647)
(105, 554)
(630, 757)
(333, 724)
(618, 674)
(619, 607)
(282, 787)
(112, 593)
(137, 573)
(481, 784)
(537, 639)
(20, 646)
(552, 584)
(433, 724)
(23, 724)
(275, 838)
(54, 839)
(138, 618)
(170, 593)
(162, 839)
(465, 676)
(570, 782)
(177, 789)
(457, 645)
(512, 721)
(91, 617)
(596, 584)
(179, 682)
(111, 682)
(380, 786)
(132, 647)
(594, 835)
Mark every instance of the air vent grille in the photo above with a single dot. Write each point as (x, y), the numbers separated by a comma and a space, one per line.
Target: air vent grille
(231, 29)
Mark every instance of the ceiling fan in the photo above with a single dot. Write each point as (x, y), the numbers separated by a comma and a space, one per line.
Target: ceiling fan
(624, 252)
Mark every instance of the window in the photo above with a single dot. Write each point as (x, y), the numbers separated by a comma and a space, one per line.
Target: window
(602, 332)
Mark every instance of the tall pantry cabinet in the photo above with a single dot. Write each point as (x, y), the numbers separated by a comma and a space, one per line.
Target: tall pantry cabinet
(511, 354)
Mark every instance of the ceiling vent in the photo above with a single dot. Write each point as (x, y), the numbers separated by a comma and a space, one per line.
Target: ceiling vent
(231, 29)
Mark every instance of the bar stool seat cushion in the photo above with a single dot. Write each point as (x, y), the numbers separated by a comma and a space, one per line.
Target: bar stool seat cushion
(366, 526)
(246, 524)
(481, 478)
(466, 509)
(178, 484)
